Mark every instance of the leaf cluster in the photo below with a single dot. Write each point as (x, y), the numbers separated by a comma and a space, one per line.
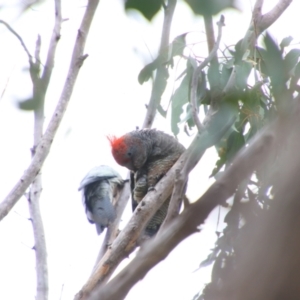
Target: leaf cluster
(259, 103)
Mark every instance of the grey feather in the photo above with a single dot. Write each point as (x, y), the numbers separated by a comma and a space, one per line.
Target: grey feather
(98, 189)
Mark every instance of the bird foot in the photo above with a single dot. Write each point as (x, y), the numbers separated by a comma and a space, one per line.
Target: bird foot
(151, 188)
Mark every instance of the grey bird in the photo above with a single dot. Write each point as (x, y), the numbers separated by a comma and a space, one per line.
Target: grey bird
(99, 186)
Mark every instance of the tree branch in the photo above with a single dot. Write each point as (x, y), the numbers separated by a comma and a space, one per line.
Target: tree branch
(210, 35)
(52, 47)
(19, 38)
(176, 199)
(159, 83)
(44, 146)
(40, 85)
(36, 190)
(269, 18)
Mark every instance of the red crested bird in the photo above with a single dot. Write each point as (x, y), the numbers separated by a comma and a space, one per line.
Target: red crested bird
(149, 154)
(99, 186)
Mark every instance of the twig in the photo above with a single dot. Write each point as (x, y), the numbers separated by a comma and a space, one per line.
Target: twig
(197, 75)
(6, 84)
(19, 38)
(186, 224)
(44, 146)
(52, 47)
(161, 73)
(209, 29)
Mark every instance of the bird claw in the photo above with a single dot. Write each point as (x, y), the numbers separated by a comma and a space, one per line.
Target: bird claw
(151, 188)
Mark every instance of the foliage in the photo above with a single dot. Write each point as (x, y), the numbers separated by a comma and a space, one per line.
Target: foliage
(258, 104)
(262, 76)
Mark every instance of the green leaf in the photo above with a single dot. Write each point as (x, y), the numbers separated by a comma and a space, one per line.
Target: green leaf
(274, 61)
(297, 71)
(290, 61)
(178, 99)
(243, 71)
(285, 42)
(226, 72)
(166, 57)
(29, 104)
(234, 143)
(147, 8)
(210, 7)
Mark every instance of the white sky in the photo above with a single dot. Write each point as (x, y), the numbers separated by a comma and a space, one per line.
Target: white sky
(107, 99)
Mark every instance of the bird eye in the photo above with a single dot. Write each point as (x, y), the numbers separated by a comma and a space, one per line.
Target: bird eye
(129, 153)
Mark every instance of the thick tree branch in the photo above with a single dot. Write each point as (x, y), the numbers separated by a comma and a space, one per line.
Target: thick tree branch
(186, 224)
(44, 146)
(162, 72)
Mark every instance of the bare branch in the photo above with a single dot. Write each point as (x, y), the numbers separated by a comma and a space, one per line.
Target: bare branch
(52, 47)
(186, 224)
(161, 73)
(36, 189)
(19, 38)
(44, 146)
(210, 34)
(39, 92)
(197, 75)
(256, 14)
(39, 239)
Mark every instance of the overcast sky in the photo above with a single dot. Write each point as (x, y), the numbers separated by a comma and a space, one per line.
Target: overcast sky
(107, 99)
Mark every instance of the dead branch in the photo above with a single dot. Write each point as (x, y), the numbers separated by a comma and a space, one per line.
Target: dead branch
(44, 146)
